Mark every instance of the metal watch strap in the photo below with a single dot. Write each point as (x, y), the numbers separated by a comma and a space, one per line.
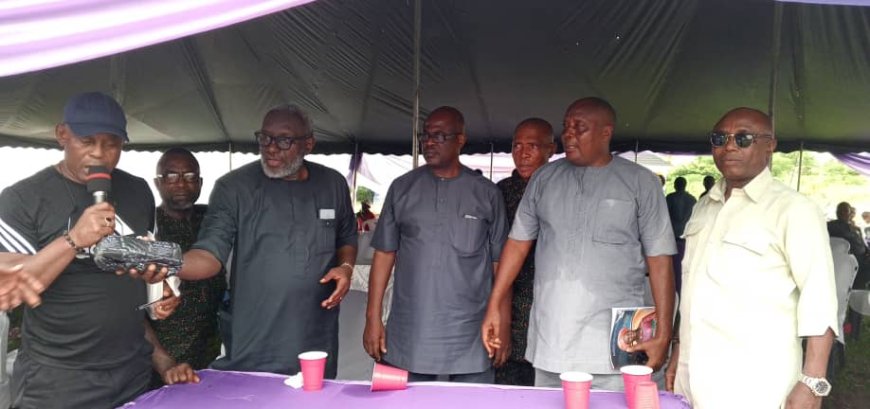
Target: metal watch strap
(813, 383)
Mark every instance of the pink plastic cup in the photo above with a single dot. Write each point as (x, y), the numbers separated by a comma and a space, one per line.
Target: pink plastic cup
(388, 378)
(313, 364)
(576, 386)
(631, 376)
(646, 395)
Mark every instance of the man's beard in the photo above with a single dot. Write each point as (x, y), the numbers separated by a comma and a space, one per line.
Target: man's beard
(288, 170)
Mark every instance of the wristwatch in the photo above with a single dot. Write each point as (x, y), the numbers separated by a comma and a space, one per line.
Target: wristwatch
(818, 386)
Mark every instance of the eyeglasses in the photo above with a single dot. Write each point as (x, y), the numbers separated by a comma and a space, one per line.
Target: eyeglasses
(283, 142)
(741, 139)
(175, 177)
(437, 137)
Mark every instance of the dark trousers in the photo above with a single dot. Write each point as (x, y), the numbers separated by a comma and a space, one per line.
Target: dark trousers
(520, 373)
(45, 387)
(487, 376)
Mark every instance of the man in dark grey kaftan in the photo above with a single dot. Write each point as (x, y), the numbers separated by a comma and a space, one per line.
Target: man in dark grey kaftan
(291, 229)
(442, 226)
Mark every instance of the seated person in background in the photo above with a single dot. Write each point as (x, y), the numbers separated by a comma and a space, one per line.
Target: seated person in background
(365, 214)
(191, 334)
(844, 227)
(866, 217)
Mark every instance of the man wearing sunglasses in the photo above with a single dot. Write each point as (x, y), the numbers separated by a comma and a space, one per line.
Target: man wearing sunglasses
(442, 226)
(757, 279)
(601, 223)
(291, 230)
(190, 335)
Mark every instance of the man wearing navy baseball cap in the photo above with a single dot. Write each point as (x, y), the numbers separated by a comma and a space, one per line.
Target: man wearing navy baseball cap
(85, 346)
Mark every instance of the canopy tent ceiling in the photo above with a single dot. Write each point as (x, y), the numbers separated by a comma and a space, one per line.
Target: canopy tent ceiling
(670, 68)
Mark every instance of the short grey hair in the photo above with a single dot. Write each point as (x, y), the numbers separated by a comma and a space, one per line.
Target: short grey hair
(294, 110)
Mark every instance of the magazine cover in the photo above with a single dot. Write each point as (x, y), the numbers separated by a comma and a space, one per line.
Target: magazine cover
(630, 326)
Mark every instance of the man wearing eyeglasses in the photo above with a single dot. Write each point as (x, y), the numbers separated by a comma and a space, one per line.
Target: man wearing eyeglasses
(757, 279)
(190, 335)
(442, 227)
(291, 230)
(601, 223)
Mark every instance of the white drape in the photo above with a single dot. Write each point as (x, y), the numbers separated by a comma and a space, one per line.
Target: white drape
(39, 34)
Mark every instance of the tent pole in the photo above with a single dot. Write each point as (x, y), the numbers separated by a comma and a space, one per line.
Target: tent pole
(800, 165)
(774, 63)
(356, 162)
(230, 154)
(418, 22)
(636, 148)
(491, 158)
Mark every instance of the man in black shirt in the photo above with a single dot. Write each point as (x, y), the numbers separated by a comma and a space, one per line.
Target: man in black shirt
(533, 145)
(85, 346)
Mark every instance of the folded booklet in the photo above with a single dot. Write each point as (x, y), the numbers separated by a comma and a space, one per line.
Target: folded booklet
(630, 326)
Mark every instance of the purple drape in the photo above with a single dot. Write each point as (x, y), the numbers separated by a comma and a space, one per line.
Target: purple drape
(36, 34)
(858, 161)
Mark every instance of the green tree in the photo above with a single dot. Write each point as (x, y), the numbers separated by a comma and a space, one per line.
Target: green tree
(365, 195)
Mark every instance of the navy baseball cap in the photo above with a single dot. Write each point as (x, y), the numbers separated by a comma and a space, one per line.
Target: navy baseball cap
(91, 113)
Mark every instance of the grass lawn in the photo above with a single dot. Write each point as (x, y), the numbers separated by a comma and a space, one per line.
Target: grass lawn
(851, 387)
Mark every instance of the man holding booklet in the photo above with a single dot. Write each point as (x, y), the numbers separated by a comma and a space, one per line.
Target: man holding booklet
(601, 223)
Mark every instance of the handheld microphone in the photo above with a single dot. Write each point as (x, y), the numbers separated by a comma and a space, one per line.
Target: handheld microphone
(99, 183)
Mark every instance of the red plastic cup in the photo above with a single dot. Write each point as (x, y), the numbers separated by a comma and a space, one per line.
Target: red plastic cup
(631, 376)
(576, 386)
(388, 378)
(646, 395)
(313, 363)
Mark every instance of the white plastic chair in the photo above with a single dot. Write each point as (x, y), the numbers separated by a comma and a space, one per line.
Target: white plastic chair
(845, 269)
(5, 376)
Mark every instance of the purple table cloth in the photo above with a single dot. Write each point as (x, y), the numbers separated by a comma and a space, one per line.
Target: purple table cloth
(224, 390)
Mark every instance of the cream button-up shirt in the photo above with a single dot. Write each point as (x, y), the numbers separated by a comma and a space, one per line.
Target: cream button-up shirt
(757, 276)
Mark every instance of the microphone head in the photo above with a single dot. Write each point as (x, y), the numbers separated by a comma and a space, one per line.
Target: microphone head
(99, 179)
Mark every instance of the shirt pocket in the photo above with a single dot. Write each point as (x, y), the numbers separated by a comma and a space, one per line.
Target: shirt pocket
(326, 235)
(469, 234)
(613, 222)
(741, 259)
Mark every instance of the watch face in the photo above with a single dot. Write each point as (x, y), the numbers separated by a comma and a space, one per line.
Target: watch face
(822, 388)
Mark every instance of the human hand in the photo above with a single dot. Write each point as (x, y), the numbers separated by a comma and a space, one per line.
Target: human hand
(96, 222)
(504, 352)
(154, 273)
(181, 373)
(656, 350)
(490, 331)
(375, 339)
(802, 398)
(167, 305)
(341, 275)
(671, 368)
(16, 286)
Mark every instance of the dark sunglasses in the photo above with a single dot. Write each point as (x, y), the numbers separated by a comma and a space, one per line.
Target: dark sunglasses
(174, 177)
(437, 137)
(741, 139)
(284, 142)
